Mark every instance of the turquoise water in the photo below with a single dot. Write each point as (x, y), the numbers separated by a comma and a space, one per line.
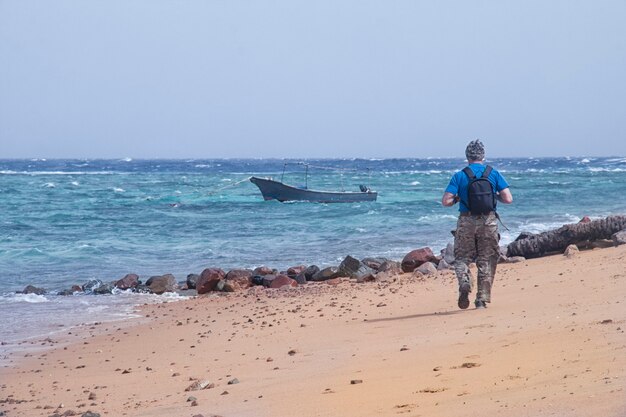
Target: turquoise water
(64, 222)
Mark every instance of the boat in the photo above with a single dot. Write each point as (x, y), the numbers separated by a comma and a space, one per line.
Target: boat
(277, 190)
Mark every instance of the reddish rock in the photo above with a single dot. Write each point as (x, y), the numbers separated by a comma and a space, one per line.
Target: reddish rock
(129, 281)
(416, 258)
(295, 270)
(262, 271)
(333, 281)
(208, 280)
(239, 273)
(326, 273)
(392, 267)
(76, 288)
(237, 283)
(282, 280)
(585, 219)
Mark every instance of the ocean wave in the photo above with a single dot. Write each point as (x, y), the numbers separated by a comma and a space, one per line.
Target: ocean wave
(598, 169)
(119, 190)
(23, 298)
(435, 217)
(39, 173)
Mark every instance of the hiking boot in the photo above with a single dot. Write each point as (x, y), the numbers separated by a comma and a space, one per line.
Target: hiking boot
(464, 290)
(480, 304)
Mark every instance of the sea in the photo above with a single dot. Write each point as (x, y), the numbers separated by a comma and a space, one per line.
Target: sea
(65, 222)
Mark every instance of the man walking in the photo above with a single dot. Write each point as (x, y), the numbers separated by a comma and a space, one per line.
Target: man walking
(477, 187)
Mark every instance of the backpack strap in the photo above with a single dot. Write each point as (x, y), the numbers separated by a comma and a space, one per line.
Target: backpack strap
(468, 171)
(487, 171)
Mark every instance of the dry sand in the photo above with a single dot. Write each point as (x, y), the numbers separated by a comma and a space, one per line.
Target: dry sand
(552, 343)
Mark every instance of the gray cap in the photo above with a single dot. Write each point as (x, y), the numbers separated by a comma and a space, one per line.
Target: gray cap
(475, 151)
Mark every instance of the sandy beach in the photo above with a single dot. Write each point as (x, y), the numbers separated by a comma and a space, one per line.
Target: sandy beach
(552, 343)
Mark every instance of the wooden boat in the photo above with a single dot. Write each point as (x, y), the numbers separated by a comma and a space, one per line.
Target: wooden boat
(276, 190)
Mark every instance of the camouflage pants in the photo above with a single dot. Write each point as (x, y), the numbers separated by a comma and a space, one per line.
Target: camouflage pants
(476, 239)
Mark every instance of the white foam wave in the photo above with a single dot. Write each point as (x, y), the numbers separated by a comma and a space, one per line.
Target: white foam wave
(119, 190)
(127, 160)
(75, 183)
(435, 217)
(39, 173)
(24, 298)
(595, 169)
(49, 185)
(415, 183)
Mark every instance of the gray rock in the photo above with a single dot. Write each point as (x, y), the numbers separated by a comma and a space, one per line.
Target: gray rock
(192, 280)
(619, 238)
(571, 251)
(427, 268)
(515, 259)
(104, 289)
(31, 289)
(300, 278)
(162, 284)
(443, 265)
(90, 414)
(90, 286)
(353, 268)
(448, 254)
(374, 263)
(310, 271)
(233, 381)
(392, 267)
(267, 280)
(326, 274)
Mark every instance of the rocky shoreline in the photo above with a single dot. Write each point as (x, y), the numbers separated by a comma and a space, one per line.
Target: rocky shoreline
(421, 262)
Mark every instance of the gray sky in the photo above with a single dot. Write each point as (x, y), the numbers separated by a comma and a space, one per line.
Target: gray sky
(231, 78)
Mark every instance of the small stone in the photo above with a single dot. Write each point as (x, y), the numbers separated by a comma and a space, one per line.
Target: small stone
(194, 403)
(291, 352)
(571, 250)
(191, 398)
(233, 381)
(404, 348)
(356, 381)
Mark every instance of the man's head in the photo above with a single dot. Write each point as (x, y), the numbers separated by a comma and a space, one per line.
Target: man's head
(475, 151)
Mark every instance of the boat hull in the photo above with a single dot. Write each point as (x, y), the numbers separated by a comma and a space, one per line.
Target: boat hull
(274, 190)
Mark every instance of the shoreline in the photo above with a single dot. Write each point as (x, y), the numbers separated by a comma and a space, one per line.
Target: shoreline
(555, 327)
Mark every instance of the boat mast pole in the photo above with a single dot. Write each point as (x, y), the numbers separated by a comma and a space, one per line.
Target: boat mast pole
(306, 176)
(282, 176)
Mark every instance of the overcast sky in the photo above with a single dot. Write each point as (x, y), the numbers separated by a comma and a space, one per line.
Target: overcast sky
(315, 78)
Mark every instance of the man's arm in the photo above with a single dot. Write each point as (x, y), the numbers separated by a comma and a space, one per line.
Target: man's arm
(504, 196)
(449, 199)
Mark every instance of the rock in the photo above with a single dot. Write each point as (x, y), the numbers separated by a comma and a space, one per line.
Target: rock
(310, 271)
(301, 278)
(104, 289)
(192, 281)
(619, 238)
(392, 267)
(416, 258)
(233, 381)
(325, 274)
(295, 270)
(571, 250)
(198, 385)
(443, 265)
(31, 289)
(129, 281)
(333, 281)
(263, 270)
(267, 280)
(448, 254)
(515, 259)
(208, 280)
(238, 282)
(90, 286)
(374, 263)
(282, 280)
(585, 219)
(162, 283)
(366, 278)
(427, 268)
(90, 414)
(257, 279)
(356, 381)
(239, 273)
(353, 268)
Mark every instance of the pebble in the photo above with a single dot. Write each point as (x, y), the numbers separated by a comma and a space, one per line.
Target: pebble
(356, 381)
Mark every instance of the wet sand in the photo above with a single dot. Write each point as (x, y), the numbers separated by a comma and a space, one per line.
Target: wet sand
(551, 343)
